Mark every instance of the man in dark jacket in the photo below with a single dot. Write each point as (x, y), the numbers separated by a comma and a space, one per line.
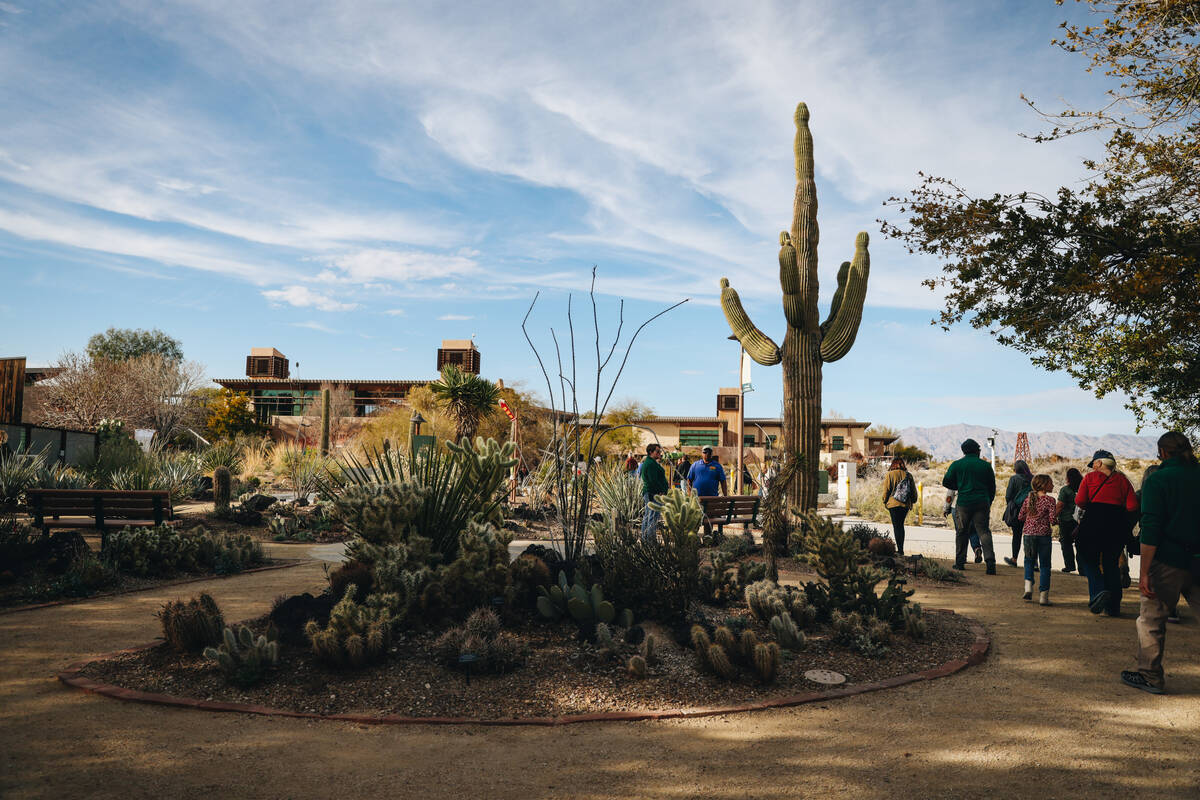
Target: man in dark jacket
(1170, 544)
(973, 479)
(654, 483)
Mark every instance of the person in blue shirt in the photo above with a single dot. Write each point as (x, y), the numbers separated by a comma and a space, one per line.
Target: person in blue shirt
(707, 475)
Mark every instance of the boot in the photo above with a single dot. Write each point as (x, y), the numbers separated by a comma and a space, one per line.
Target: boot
(991, 568)
(1044, 598)
(1028, 591)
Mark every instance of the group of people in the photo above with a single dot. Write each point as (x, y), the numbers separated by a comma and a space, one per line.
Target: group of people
(705, 476)
(1095, 515)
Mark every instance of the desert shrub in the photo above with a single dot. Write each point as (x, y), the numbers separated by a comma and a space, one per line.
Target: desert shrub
(935, 571)
(846, 585)
(658, 578)
(161, 551)
(192, 625)
(352, 572)
(881, 546)
(19, 548)
(494, 650)
(863, 533)
(529, 573)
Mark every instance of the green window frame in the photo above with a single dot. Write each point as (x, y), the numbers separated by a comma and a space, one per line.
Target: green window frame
(748, 440)
(699, 438)
(839, 443)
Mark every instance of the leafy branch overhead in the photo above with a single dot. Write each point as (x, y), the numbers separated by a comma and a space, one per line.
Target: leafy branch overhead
(1098, 281)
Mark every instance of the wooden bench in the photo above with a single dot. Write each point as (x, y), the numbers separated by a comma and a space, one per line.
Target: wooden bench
(729, 510)
(99, 508)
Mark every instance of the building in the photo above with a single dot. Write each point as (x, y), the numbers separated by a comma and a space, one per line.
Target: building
(841, 439)
(275, 393)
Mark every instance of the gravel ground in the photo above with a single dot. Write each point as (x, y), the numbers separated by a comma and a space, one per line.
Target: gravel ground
(1043, 716)
(561, 676)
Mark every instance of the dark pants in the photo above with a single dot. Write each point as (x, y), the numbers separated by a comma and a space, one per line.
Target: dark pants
(1017, 530)
(1066, 537)
(968, 517)
(1103, 573)
(898, 514)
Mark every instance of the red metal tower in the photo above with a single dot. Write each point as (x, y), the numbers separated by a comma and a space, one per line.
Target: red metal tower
(1022, 453)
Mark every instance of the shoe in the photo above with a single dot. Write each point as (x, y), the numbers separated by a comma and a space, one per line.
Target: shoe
(1028, 591)
(1138, 681)
(1116, 614)
(991, 568)
(1044, 598)
(1012, 562)
(959, 567)
(978, 555)
(1035, 569)
(1097, 603)
(1175, 620)
(1067, 569)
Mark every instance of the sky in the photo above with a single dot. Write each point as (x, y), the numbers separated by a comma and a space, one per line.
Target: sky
(351, 182)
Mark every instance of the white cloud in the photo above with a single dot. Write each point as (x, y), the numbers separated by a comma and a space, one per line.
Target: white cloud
(395, 312)
(314, 326)
(454, 317)
(363, 266)
(303, 297)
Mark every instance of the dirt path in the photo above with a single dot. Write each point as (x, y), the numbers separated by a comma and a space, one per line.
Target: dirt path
(1044, 717)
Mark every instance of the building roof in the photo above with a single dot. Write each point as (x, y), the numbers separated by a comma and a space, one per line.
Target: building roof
(284, 383)
(458, 344)
(850, 423)
(266, 351)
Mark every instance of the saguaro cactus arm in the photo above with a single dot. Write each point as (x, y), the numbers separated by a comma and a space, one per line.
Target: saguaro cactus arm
(757, 344)
(846, 313)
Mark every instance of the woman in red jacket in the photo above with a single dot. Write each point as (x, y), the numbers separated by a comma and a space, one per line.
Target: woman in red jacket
(1107, 499)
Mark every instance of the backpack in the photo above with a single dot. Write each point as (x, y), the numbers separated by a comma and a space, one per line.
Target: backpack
(905, 491)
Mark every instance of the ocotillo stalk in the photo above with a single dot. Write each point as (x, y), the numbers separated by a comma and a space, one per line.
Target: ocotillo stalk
(325, 403)
(807, 343)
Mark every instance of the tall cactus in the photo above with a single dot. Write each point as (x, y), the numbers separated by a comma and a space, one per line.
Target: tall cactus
(325, 404)
(808, 343)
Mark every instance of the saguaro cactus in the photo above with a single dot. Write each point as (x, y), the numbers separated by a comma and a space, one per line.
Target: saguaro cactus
(325, 403)
(808, 343)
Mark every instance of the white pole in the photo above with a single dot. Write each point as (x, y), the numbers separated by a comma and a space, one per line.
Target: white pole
(741, 434)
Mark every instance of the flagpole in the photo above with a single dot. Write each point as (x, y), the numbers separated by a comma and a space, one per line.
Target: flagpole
(741, 421)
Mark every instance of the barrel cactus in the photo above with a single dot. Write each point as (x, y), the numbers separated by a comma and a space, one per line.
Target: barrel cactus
(808, 342)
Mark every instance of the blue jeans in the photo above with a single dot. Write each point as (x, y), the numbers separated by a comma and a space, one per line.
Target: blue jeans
(1038, 550)
(650, 520)
(1109, 580)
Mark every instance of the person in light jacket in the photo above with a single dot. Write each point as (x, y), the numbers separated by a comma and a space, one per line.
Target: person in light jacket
(898, 509)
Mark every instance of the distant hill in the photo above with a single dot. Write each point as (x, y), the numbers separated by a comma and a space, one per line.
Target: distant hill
(943, 442)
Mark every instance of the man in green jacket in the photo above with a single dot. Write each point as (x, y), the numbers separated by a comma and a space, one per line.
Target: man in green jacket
(654, 483)
(1170, 544)
(973, 479)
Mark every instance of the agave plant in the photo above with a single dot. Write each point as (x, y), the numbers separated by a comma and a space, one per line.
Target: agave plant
(61, 476)
(18, 472)
(226, 453)
(619, 495)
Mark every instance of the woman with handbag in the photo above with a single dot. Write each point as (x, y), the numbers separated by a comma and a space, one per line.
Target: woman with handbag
(899, 495)
(1014, 495)
(1104, 501)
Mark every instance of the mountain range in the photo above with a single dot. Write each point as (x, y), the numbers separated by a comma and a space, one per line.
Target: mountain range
(943, 443)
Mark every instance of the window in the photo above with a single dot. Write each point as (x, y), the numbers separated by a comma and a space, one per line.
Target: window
(839, 443)
(699, 438)
(729, 402)
(748, 440)
(454, 358)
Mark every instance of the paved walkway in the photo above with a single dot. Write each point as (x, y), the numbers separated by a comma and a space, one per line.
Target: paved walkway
(1044, 717)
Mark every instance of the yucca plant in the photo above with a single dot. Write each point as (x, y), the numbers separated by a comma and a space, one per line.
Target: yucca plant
(18, 472)
(226, 453)
(467, 398)
(619, 495)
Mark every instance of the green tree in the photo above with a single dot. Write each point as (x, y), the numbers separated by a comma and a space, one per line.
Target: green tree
(229, 415)
(466, 398)
(624, 412)
(122, 344)
(1099, 280)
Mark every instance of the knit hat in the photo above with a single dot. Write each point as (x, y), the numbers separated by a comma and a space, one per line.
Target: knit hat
(1101, 454)
(970, 446)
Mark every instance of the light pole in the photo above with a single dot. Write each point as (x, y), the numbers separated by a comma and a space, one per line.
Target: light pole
(992, 447)
(741, 435)
(415, 428)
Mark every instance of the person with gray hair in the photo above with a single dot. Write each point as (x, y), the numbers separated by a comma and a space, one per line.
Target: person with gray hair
(1106, 498)
(1170, 545)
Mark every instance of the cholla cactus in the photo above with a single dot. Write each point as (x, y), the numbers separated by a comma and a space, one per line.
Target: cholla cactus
(681, 513)
(356, 634)
(243, 658)
(808, 343)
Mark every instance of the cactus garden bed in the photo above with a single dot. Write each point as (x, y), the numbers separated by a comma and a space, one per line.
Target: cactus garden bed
(560, 675)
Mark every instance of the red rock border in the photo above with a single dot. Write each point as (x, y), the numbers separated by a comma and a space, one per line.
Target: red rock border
(71, 677)
(288, 564)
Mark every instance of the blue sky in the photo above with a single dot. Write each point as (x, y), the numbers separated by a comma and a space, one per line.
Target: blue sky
(352, 182)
